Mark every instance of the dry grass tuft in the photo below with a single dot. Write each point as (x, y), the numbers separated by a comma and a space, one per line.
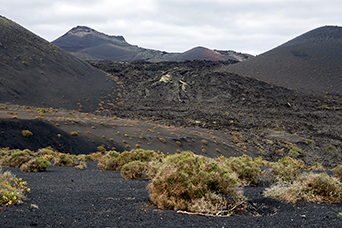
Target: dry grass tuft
(308, 187)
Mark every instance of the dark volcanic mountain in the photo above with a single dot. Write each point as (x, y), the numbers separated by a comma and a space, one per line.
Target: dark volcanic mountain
(90, 44)
(310, 63)
(36, 72)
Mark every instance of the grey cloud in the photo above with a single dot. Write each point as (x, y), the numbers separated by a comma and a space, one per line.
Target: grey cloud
(253, 26)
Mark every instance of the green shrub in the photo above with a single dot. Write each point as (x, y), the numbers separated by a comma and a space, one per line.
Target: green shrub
(162, 140)
(27, 133)
(126, 157)
(286, 169)
(37, 164)
(308, 187)
(101, 149)
(204, 142)
(46, 151)
(74, 133)
(260, 162)
(246, 169)
(87, 158)
(330, 147)
(317, 166)
(278, 129)
(81, 166)
(65, 160)
(133, 170)
(11, 189)
(108, 160)
(337, 171)
(295, 151)
(15, 158)
(308, 141)
(195, 183)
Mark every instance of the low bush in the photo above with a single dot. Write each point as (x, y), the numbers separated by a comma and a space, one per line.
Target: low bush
(337, 171)
(12, 189)
(295, 151)
(15, 158)
(81, 166)
(246, 169)
(108, 160)
(27, 133)
(87, 158)
(308, 187)
(317, 166)
(286, 169)
(133, 170)
(194, 183)
(117, 162)
(65, 160)
(46, 151)
(101, 149)
(262, 163)
(37, 164)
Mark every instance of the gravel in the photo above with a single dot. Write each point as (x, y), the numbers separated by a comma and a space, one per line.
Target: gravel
(65, 197)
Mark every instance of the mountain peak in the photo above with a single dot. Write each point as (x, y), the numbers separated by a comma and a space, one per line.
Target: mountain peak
(84, 30)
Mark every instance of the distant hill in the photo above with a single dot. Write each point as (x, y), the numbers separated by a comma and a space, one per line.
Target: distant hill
(89, 44)
(311, 62)
(36, 72)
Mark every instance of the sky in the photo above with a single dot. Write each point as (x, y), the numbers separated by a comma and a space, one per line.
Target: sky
(247, 26)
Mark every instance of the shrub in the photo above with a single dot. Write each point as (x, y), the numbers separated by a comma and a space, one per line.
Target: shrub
(74, 133)
(317, 166)
(260, 162)
(65, 160)
(15, 158)
(337, 171)
(38, 164)
(108, 161)
(308, 187)
(204, 142)
(27, 133)
(46, 151)
(162, 140)
(12, 189)
(133, 170)
(295, 151)
(308, 141)
(278, 129)
(286, 169)
(330, 147)
(81, 166)
(119, 161)
(83, 157)
(101, 149)
(187, 181)
(246, 169)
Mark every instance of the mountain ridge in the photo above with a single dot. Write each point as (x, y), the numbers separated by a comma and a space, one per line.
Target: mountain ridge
(89, 44)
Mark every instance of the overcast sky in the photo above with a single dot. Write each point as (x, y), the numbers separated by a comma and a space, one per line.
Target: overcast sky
(250, 26)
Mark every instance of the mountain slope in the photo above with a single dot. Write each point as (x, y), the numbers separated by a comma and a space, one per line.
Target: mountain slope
(36, 72)
(90, 44)
(310, 63)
